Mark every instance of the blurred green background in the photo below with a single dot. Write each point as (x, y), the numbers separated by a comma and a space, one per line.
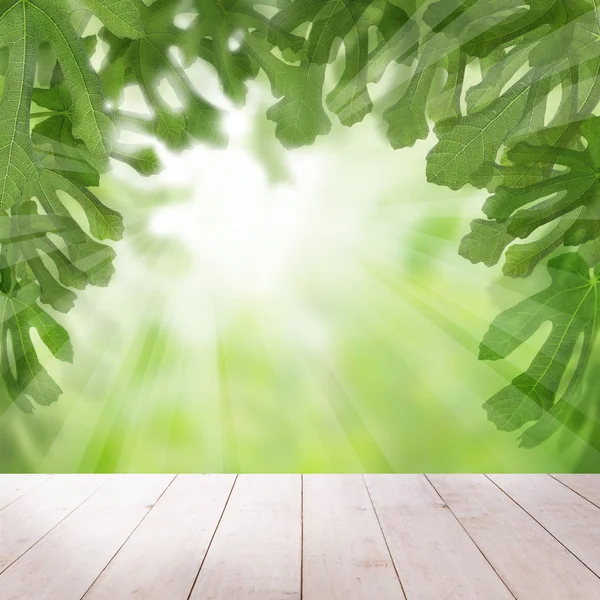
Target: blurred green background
(278, 311)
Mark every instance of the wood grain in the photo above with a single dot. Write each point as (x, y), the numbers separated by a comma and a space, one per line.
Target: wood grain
(33, 515)
(435, 558)
(15, 486)
(162, 557)
(321, 537)
(256, 550)
(587, 486)
(567, 516)
(529, 560)
(65, 562)
(345, 554)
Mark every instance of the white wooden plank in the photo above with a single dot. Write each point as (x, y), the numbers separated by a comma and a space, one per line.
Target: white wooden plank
(64, 564)
(256, 550)
(345, 555)
(162, 557)
(587, 486)
(528, 559)
(568, 517)
(435, 558)
(34, 514)
(14, 486)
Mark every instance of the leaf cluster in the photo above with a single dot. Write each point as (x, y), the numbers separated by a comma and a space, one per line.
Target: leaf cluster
(509, 88)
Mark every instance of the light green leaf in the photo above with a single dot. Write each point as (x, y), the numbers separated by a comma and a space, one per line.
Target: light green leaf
(146, 62)
(563, 191)
(522, 259)
(120, 16)
(27, 380)
(570, 303)
(486, 242)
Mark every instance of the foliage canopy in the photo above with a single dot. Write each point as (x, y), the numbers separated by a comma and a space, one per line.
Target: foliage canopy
(509, 87)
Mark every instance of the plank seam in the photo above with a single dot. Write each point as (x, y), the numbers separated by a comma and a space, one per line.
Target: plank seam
(128, 537)
(470, 537)
(212, 538)
(55, 526)
(384, 538)
(35, 487)
(573, 490)
(542, 526)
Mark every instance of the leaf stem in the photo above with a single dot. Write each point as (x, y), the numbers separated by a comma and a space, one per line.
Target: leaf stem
(47, 113)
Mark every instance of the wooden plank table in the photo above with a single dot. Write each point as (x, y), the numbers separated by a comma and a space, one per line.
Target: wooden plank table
(312, 537)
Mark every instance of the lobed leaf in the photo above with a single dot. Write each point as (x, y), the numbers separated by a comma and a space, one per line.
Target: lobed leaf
(147, 61)
(570, 303)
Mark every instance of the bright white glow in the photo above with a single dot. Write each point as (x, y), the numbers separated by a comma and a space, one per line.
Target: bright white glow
(184, 20)
(274, 233)
(245, 234)
(234, 44)
(236, 124)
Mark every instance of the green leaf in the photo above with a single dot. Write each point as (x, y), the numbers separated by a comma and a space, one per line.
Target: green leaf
(23, 26)
(56, 147)
(522, 259)
(26, 379)
(466, 152)
(299, 115)
(44, 253)
(217, 35)
(563, 191)
(144, 160)
(538, 155)
(591, 253)
(329, 21)
(148, 61)
(537, 19)
(570, 303)
(120, 16)
(350, 99)
(407, 119)
(496, 73)
(486, 242)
